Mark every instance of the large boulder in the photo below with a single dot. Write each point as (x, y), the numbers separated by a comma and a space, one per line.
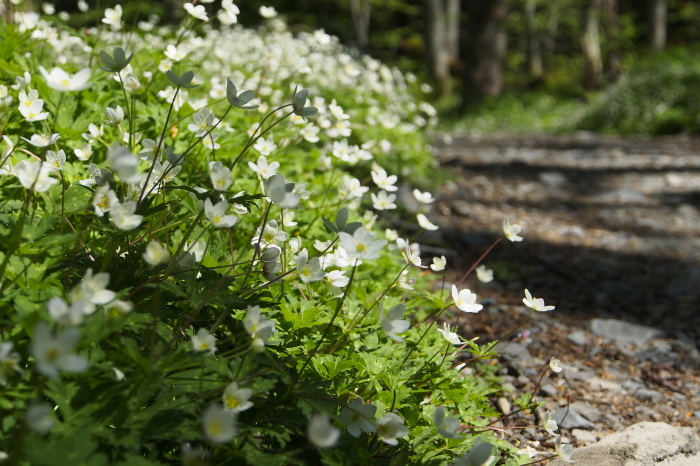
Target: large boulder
(643, 444)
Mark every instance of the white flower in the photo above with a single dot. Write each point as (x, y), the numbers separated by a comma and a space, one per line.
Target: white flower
(52, 353)
(114, 115)
(132, 84)
(288, 219)
(267, 12)
(218, 424)
(228, 13)
(34, 175)
(351, 188)
(536, 304)
(9, 361)
(33, 111)
(361, 244)
(309, 270)
(40, 417)
(55, 160)
(465, 300)
(118, 308)
(217, 214)
(197, 11)
(282, 193)
(425, 198)
(93, 288)
(203, 120)
(383, 200)
(384, 181)
(74, 314)
(83, 6)
(271, 234)
(390, 427)
(265, 146)
(564, 452)
(359, 417)
(511, 231)
(555, 365)
(105, 199)
(405, 282)
(258, 327)
(62, 81)
(123, 217)
(237, 399)
(391, 322)
(321, 432)
(204, 341)
(451, 337)
(264, 169)
(156, 253)
(479, 455)
(446, 426)
(42, 140)
(548, 422)
(113, 17)
(425, 223)
(413, 256)
(220, 176)
(438, 264)
(94, 133)
(483, 274)
(22, 82)
(175, 53)
(337, 280)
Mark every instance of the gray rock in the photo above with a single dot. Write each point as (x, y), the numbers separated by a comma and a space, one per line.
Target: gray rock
(553, 179)
(503, 405)
(655, 356)
(549, 389)
(578, 373)
(597, 383)
(578, 337)
(643, 444)
(513, 351)
(646, 394)
(621, 196)
(589, 412)
(568, 418)
(624, 332)
(584, 437)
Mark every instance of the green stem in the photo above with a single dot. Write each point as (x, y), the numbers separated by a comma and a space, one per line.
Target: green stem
(328, 328)
(157, 150)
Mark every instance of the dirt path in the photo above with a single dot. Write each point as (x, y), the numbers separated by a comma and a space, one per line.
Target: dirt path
(612, 231)
(611, 226)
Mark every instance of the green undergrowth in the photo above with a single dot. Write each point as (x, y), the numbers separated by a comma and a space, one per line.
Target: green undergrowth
(194, 261)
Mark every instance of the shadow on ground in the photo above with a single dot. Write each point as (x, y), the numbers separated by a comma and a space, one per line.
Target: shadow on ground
(611, 227)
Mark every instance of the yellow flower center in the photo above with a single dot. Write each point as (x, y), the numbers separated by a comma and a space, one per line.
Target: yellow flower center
(232, 402)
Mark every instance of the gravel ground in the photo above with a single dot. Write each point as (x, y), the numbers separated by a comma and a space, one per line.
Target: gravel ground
(612, 239)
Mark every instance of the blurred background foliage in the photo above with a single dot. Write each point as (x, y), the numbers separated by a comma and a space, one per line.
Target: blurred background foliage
(615, 66)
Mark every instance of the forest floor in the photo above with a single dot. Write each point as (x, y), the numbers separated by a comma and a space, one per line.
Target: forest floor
(611, 231)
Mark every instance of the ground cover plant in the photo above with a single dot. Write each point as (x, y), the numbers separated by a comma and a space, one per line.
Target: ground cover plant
(193, 267)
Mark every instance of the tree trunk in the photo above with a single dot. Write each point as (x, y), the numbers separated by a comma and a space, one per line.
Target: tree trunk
(361, 11)
(612, 33)
(485, 44)
(442, 39)
(659, 10)
(534, 49)
(590, 44)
